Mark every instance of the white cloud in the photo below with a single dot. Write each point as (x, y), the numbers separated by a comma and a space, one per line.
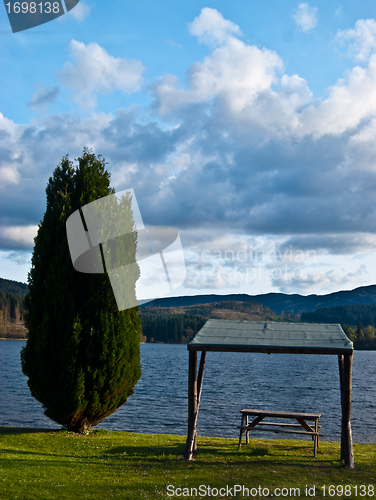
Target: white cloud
(305, 17)
(362, 38)
(243, 84)
(79, 12)
(8, 175)
(210, 27)
(235, 73)
(350, 101)
(94, 70)
(238, 79)
(18, 236)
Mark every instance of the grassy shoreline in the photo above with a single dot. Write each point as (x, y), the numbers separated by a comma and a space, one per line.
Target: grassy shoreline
(45, 464)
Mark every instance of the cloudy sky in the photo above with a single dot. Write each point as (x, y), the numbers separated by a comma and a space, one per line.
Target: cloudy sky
(249, 127)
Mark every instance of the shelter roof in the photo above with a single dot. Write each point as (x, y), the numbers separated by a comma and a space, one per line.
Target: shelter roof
(280, 337)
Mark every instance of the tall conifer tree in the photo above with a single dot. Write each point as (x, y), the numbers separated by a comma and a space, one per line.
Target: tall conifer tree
(82, 356)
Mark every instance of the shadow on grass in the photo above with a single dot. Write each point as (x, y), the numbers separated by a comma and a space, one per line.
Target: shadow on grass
(210, 451)
(24, 430)
(209, 454)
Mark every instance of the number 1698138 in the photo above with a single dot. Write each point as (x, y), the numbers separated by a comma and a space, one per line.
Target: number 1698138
(33, 7)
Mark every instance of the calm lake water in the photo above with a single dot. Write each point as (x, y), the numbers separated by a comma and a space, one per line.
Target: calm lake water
(232, 381)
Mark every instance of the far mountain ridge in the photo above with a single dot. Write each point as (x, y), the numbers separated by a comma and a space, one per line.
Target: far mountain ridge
(277, 301)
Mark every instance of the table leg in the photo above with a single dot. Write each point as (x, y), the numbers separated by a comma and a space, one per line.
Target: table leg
(241, 432)
(316, 437)
(247, 433)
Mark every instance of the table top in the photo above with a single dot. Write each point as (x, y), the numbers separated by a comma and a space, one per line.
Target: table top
(281, 414)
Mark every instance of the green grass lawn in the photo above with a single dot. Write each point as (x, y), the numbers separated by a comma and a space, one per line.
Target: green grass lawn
(49, 465)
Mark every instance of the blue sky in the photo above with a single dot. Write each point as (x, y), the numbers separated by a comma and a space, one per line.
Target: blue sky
(250, 127)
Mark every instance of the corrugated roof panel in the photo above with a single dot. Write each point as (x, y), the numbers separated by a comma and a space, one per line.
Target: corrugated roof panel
(224, 335)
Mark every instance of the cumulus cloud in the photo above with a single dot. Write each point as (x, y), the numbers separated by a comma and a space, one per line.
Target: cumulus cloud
(350, 101)
(305, 17)
(210, 27)
(246, 86)
(234, 73)
(94, 70)
(362, 38)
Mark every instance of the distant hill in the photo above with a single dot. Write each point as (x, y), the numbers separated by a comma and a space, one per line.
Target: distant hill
(246, 311)
(178, 324)
(279, 302)
(15, 287)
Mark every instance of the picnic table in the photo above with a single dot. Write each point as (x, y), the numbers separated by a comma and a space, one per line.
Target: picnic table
(302, 427)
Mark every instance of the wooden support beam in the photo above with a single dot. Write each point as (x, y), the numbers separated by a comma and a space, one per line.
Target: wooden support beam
(200, 376)
(340, 367)
(199, 389)
(345, 369)
(346, 412)
(192, 404)
(194, 396)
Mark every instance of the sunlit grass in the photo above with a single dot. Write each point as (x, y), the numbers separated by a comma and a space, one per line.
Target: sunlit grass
(49, 465)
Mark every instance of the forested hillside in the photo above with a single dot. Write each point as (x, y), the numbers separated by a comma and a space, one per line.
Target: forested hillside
(12, 294)
(351, 315)
(176, 329)
(12, 309)
(352, 319)
(178, 324)
(15, 287)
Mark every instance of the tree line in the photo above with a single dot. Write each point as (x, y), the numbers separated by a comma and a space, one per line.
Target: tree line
(363, 337)
(177, 329)
(12, 307)
(352, 318)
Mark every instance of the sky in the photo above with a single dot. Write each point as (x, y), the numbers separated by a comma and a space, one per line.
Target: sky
(248, 126)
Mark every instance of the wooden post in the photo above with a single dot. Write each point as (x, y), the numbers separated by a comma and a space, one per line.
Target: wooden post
(192, 404)
(340, 366)
(346, 412)
(347, 453)
(194, 396)
(199, 389)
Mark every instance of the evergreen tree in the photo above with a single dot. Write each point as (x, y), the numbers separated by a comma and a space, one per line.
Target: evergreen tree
(360, 331)
(82, 356)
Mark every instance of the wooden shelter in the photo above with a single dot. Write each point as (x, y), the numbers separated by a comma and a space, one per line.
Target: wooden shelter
(268, 337)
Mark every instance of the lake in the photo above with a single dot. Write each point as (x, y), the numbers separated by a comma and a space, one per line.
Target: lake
(232, 381)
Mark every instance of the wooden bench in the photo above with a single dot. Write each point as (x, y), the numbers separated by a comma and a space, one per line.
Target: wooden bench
(302, 427)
